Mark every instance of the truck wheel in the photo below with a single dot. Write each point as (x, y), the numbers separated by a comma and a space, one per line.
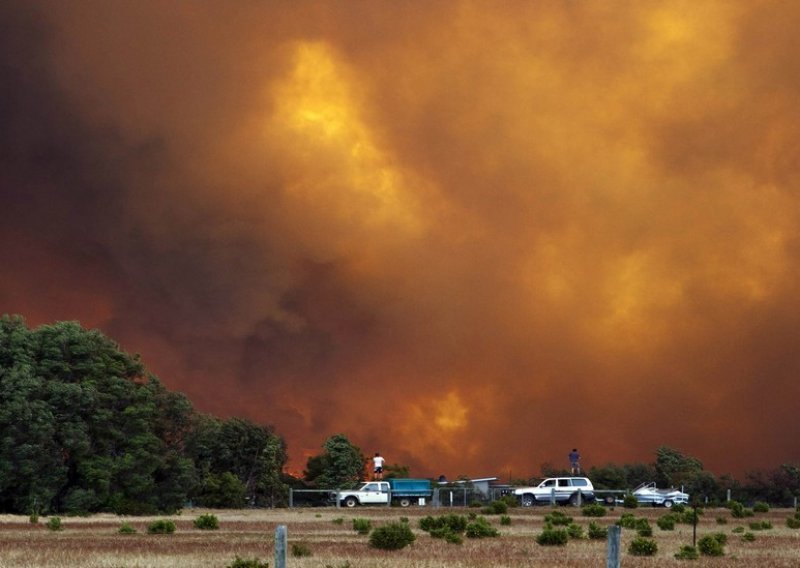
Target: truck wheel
(350, 502)
(528, 500)
(668, 504)
(404, 501)
(609, 499)
(573, 499)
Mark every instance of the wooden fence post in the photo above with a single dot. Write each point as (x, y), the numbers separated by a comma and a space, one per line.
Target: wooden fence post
(280, 546)
(612, 555)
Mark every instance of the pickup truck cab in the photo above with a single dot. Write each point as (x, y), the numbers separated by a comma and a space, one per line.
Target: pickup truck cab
(402, 492)
(561, 489)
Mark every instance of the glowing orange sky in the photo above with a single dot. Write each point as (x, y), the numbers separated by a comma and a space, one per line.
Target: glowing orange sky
(471, 235)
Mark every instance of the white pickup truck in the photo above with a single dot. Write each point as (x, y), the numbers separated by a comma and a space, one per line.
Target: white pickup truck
(402, 492)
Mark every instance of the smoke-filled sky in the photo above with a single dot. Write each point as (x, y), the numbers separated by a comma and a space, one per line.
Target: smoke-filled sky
(469, 235)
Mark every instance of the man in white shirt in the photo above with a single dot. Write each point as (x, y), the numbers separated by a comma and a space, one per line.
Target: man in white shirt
(377, 463)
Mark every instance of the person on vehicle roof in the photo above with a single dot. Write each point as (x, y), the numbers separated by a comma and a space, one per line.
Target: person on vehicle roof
(575, 461)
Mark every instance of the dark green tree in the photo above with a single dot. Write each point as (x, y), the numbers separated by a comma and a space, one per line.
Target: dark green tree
(339, 466)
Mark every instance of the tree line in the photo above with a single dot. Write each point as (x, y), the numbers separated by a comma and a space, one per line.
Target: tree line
(84, 428)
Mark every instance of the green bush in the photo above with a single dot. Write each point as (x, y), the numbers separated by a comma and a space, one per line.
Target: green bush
(575, 531)
(54, 523)
(480, 528)
(505, 520)
(126, 528)
(760, 507)
(641, 546)
(627, 520)
(594, 510)
(630, 502)
(760, 526)
(338, 521)
(709, 545)
(690, 516)
(300, 550)
(552, 537)
(643, 527)
(207, 522)
(687, 553)
(739, 511)
(161, 526)
(403, 519)
(362, 526)
(557, 518)
(666, 522)
(596, 532)
(793, 523)
(245, 563)
(496, 508)
(678, 508)
(722, 521)
(748, 537)
(738, 530)
(447, 534)
(456, 523)
(392, 536)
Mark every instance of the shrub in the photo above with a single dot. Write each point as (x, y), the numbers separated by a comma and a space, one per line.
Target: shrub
(557, 518)
(54, 523)
(496, 508)
(642, 547)
(575, 531)
(505, 520)
(338, 521)
(206, 522)
(403, 519)
(362, 526)
(722, 521)
(738, 530)
(509, 500)
(300, 550)
(678, 508)
(630, 502)
(596, 532)
(448, 535)
(687, 553)
(760, 507)
(793, 523)
(748, 537)
(760, 525)
(456, 523)
(552, 537)
(244, 563)
(643, 527)
(690, 516)
(126, 528)
(627, 520)
(161, 526)
(738, 511)
(594, 510)
(480, 528)
(34, 518)
(666, 522)
(392, 536)
(710, 546)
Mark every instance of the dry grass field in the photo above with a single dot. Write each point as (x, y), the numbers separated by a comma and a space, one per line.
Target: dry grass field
(95, 541)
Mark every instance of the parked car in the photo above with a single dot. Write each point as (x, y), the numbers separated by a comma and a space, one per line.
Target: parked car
(561, 489)
(403, 492)
(648, 494)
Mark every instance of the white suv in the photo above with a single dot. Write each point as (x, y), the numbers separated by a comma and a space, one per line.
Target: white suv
(560, 489)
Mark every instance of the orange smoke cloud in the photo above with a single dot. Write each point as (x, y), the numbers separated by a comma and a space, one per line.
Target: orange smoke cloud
(471, 236)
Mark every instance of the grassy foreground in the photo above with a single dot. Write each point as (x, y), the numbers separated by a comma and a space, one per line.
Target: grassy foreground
(329, 536)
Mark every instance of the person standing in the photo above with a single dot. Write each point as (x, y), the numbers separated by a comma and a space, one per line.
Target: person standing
(575, 461)
(377, 466)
